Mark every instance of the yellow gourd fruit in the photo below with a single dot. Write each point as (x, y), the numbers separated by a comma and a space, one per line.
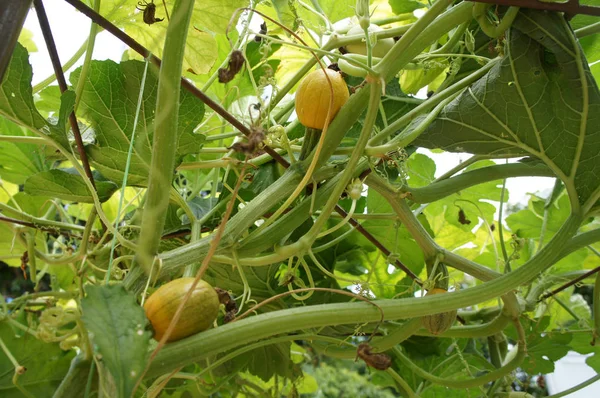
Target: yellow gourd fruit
(198, 314)
(439, 323)
(313, 96)
(380, 49)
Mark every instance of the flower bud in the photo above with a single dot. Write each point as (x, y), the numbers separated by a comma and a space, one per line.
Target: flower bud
(362, 13)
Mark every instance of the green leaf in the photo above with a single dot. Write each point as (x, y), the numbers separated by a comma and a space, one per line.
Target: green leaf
(420, 170)
(67, 184)
(109, 103)
(16, 100)
(412, 81)
(543, 347)
(528, 223)
(391, 234)
(539, 100)
(26, 39)
(405, 6)
(582, 344)
(60, 130)
(334, 10)
(259, 279)
(286, 13)
(270, 360)
(46, 364)
(18, 160)
(116, 324)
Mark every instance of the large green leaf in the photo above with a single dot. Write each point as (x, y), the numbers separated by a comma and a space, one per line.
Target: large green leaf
(46, 364)
(405, 6)
(18, 160)
(540, 100)
(67, 184)
(210, 17)
(543, 347)
(116, 324)
(16, 100)
(334, 10)
(109, 103)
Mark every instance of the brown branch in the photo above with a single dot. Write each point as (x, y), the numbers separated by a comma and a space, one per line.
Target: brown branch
(571, 7)
(62, 84)
(569, 284)
(137, 47)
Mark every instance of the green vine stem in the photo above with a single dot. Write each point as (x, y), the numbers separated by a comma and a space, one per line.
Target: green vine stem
(36, 221)
(91, 42)
(165, 134)
(65, 67)
(438, 190)
(596, 310)
(575, 388)
(492, 30)
(588, 30)
(379, 344)
(402, 384)
(476, 381)
(490, 328)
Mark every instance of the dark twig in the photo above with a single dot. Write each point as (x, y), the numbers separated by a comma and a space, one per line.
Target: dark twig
(569, 284)
(571, 7)
(62, 84)
(137, 47)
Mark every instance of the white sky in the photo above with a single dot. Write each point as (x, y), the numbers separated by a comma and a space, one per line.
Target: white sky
(70, 28)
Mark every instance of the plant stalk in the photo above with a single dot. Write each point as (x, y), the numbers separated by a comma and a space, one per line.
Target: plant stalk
(164, 143)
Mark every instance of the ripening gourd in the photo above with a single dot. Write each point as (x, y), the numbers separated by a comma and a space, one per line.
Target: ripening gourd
(198, 314)
(439, 323)
(312, 104)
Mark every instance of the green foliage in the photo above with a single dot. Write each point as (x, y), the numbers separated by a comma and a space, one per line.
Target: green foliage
(336, 380)
(116, 325)
(109, 103)
(554, 114)
(46, 364)
(530, 92)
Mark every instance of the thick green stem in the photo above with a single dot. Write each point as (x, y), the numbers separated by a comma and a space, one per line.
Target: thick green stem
(379, 344)
(422, 33)
(444, 188)
(165, 134)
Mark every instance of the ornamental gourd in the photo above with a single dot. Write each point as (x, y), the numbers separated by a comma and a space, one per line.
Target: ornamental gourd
(439, 323)
(312, 103)
(198, 314)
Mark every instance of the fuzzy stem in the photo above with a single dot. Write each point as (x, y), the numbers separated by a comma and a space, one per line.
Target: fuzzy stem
(165, 134)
